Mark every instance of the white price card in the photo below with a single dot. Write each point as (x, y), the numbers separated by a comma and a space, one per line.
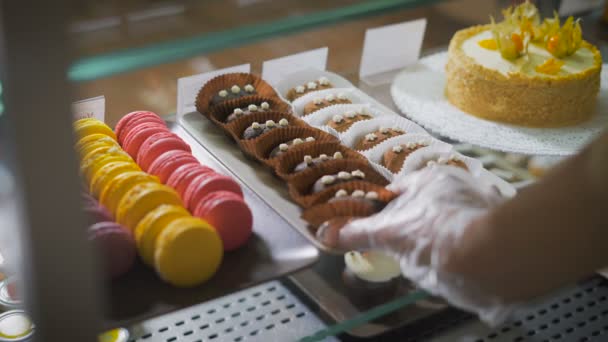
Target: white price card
(94, 107)
(391, 47)
(275, 69)
(570, 7)
(188, 87)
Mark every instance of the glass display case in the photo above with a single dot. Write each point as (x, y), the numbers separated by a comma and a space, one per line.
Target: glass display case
(283, 285)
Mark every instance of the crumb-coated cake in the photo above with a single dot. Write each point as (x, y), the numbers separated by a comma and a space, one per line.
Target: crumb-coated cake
(341, 177)
(284, 147)
(452, 160)
(372, 139)
(252, 108)
(256, 129)
(320, 84)
(395, 156)
(233, 93)
(342, 123)
(309, 161)
(524, 70)
(322, 102)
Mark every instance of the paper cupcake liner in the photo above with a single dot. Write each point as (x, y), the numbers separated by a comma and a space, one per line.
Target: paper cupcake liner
(384, 195)
(358, 130)
(261, 147)
(219, 113)
(300, 186)
(386, 173)
(310, 74)
(419, 159)
(376, 153)
(225, 81)
(286, 163)
(329, 130)
(322, 213)
(238, 126)
(301, 102)
(322, 117)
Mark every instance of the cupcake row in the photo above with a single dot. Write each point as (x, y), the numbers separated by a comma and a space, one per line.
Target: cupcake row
(184, 250)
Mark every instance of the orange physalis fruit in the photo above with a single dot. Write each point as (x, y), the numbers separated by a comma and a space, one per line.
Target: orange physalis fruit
(550, 67)
(553, 44)
(518, 41)
(489, 44)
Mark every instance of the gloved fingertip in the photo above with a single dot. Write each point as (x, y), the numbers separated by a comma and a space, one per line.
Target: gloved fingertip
(353, 237)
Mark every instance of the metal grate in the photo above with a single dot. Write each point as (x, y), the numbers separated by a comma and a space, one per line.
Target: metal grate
(268, 312)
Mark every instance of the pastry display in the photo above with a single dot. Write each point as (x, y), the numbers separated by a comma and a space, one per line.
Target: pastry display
(340, 177)
(322, 102)
(372, 139)
(394, 157)
(320, 84)
(310, 161)
(250, 109)
(524, 70)
(256, 129)
(342, 123)
(284, 147)
(233, 93)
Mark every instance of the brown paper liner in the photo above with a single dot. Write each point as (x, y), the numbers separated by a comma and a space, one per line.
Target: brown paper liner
(300, 186)
(225, 81)
(261, 147)
(237, 127)
(322, 213)
(384, 195)
(219, 113)
(288, 161)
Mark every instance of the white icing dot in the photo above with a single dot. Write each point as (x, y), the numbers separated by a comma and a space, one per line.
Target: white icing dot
(337, 118)
(350, 114)
(317, 101)
(442, 160)
(308, 159)
(297, 141)
(283, 122)
(300, 89)
(330, 98)
(398, 130)
(311, 85)
(310, 139)
(358, 193)
(328, 179)
(371, 137)
(342, 96)
(431, 163)
(323, 81)
(372, 195)
(341, 193)
(358, 174)
(283, 147)
(410, 145)
(238, 111)
(223, 93)
(270, 123)
(252, 108)
(323, 157)
(235, 89)
(343, 175)
(384, 130)
(397, 149)
(265, 105)
(249, 88)
(338, 155)
(255, 125)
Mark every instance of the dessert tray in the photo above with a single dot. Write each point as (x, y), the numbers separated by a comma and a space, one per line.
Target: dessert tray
(418, 91)
(272, 190)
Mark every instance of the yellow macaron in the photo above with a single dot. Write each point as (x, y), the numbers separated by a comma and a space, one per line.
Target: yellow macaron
(88, 160)
(93, 141)
(114, 191)
(88, 126)
(107, 172)
(141, 199)
(188, 252)
(102, 161)
(148, 229)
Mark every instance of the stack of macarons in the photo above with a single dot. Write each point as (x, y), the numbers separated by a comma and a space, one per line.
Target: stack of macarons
(184, 250)
(213, 197)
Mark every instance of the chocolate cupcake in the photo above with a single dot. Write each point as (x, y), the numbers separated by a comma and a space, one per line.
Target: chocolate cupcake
(284, 147)
(250, 109)
(234, 92)
(309, 161)
(372, 139)
(342, 123)
(394, 157)
(329, 100)
(340, 177)
(320, 84)
(256, 129)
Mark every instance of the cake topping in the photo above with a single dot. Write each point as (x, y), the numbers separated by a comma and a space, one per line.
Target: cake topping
(323, 81)
(252, 108)
(256, 125)
(249, 88)
(323, 157)
(330, 98)
(358, 193)
(311, 85)
(238, 111)
(550, 67)
(343, 175)
(397, 149)
(398, 130)
(372, 195)
(338, 118)
(317, 101)
(431, 163)
(300, 89)
(223, 93)
(384, 130)
(265, 105)
(341, 96)
(350, 114)
(371, 137)
(270, 124)
(308, 160)
(235, 89)
(283, 147)
(310, 139)
(358, 174)
(283, 122)
(338, 155)
(297, 141)
(341, 193)
(328, 179)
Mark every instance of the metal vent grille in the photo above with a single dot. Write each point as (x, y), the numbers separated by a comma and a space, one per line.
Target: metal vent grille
(268, 312)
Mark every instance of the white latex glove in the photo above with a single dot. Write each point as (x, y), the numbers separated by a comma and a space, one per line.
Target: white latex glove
(421, 227)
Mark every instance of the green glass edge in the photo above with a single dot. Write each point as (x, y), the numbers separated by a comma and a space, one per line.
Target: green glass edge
(104, 65)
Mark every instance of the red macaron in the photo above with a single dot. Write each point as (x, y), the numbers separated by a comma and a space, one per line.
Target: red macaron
(181, 178)
(166, 163)
(157, 144)
(229, 215)
(205, 184)
(127, 122)
(132, 141)
(115, 245)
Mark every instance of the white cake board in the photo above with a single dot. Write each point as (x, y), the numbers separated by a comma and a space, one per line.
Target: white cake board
(419, 93)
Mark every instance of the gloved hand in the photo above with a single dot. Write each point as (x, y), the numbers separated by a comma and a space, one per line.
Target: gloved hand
(423, 226)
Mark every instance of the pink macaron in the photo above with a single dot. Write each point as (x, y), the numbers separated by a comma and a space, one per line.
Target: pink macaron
(133, 119)
(157, 144)
(229, 215)
(205, 184)
(181, 178)
(97, 213)
(132, 141)
(115, 245)
(166, 163)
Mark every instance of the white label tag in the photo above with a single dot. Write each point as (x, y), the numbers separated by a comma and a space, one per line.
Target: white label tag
(275, 69)
(391, 47)
(570, 7)
(188, 87)
(94, 107)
